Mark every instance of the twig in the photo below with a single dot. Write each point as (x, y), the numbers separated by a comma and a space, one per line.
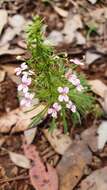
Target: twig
(14, 179)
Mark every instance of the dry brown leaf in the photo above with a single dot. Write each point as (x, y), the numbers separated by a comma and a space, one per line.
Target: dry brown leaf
(8, 120)
(96, 181)
(60, 11)
(19, 160)
(41, 179)
(17, 120)
(8, 35)
(2, 75)
(30, 135)
(80, 39)
(91, 57)
(98, 87)
(89, 137)
(102, 135)
(72, 23)
(59, 141)
(16, 51)
(72, 165)
(17, 22)
(3, 19)
(103, 102)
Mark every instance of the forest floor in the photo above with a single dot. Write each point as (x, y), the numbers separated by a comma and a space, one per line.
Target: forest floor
(79, 158)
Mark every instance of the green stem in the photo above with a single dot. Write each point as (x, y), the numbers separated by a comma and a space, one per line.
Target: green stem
(64, 121)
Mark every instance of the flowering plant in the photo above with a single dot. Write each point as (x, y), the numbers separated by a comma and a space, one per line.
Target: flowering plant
(53, 80)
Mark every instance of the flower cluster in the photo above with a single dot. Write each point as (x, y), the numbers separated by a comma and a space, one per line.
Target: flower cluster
(54, 110)
(25, 83)
(72, 78)
(63, 94)
(63, 97)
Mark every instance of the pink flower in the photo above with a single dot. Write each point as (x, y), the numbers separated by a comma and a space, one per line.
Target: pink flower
(27, 100)
(19, 70)
(71, 106)
(54, 110)
(63, 94)
(28, 73)
(74, 80)
(79, 87)
(76, 61)
(24, 66)
(25, 83)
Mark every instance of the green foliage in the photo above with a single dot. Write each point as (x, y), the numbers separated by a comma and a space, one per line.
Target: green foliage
(50, 72)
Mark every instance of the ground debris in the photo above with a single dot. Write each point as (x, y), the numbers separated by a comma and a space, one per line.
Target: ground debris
(72, 165)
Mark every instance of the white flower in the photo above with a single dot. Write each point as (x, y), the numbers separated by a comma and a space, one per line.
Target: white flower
(19, 70)
(63, 94)
(27, 100)
(71, 106)
(79, 87)
(54, 110)
(25, 83)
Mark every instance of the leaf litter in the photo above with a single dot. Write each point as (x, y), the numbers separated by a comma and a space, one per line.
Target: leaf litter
(74, 27)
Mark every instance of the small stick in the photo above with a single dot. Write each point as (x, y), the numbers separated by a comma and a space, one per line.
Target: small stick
(14, 179)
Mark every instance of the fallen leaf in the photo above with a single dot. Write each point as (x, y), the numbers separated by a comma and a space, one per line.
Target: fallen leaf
(8, 35)
(91, 57)
(60, 11)
(89, 136)
(2, 140)
(92, 1)
(30, 135)
(99, 14)
(17, 22)
(59, 141)
(2, 75)
(41, 178)
(96, 181)
(4, 50)
(3, 19)
(102, 134)
(72, 23)
(80, 39)
(19, 119)
(103, 102)
(55, 38)
(71, 167)
(19, 160)
(98, 87)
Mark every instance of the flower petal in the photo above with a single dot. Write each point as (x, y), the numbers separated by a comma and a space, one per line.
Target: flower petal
(54, 114)
(20, 87)
(24, 66)
(50, 110)
(57, 106)
(66, 90)
(65, 98)
(61, 98)
(60, 89)
(79, 88)
(25, 89)
(23, 102)
(73, 108)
